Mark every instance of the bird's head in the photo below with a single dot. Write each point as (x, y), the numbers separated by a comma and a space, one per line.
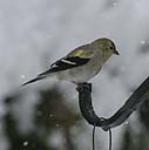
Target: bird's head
(106, 47)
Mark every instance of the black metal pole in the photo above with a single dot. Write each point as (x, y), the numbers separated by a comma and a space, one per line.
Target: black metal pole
(85, 101)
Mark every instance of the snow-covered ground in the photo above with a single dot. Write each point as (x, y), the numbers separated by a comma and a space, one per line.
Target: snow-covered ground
(33, 33)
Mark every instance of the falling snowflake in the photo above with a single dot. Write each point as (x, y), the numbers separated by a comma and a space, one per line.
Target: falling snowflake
(142, 42)
(22, 76)
(25, 143)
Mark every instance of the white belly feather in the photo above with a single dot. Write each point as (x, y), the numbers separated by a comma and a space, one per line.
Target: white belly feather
(82, 73)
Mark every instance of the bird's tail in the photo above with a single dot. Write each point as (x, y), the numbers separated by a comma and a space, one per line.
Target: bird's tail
(40, 77)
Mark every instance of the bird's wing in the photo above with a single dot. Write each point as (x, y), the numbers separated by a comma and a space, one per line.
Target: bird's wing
(76, 58)
(83, 52)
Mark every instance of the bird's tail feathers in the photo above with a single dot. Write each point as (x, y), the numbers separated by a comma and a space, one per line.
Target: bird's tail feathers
(40, 77)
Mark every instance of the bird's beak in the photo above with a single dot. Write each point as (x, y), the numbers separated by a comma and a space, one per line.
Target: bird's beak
(116, 52)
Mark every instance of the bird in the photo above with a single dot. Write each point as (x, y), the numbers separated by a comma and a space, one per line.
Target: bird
(81, 64)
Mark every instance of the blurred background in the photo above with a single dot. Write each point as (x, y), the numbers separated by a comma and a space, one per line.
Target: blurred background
(46, 115)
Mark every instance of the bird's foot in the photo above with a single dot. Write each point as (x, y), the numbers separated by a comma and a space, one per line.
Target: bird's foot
(82, 85)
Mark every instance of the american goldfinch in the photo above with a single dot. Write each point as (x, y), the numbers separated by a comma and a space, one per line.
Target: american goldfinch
(82, 64)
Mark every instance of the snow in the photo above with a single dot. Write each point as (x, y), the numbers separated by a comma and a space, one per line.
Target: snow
(34, 33)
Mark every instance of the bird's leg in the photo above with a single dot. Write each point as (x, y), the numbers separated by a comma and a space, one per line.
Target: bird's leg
(80, 85)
